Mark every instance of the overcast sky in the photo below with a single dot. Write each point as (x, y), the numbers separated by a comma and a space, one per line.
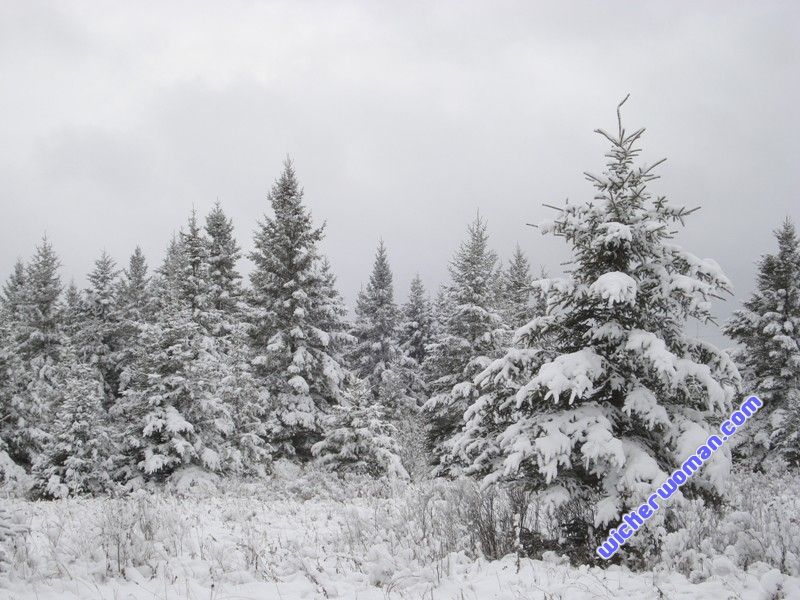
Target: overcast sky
(402, 118)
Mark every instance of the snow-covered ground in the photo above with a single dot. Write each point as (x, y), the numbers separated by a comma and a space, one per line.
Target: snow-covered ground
(305, 535)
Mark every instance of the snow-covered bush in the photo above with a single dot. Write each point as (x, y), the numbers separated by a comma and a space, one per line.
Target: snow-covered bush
(760, 525)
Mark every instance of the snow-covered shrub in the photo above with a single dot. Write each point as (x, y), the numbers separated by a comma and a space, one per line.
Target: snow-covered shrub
(761, 525)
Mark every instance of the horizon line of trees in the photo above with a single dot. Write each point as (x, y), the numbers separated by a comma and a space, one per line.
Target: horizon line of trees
(585, 389)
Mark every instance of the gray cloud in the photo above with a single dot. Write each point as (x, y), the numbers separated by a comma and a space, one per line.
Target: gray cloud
(403, 119)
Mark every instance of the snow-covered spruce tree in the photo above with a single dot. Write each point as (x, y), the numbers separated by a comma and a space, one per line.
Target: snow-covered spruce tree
(375, 327)
(193, 282)
(183, 383)
(71, 312)
(33, 351)
(134, 300)
(96, 334)
(768, 330)
(416, 324)
(468, 338)
(225, 288)
(166, 287)
(605, 395)
(294, 356)
(172, 411)
(517, 299)
(376, 356)
(135, 307)
(79, 455)
(361, 438)
(12, 296)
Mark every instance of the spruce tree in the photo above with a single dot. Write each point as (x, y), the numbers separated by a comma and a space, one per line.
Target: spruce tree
(361, 437)
(294, 357)
(71, 313)
(375, 326)
(416, 327)
(96, 335)
(172, 411)
(12, 295)
(79, 454)
(768, 330)
(34, 342)
(133, 296)
(469, 334)
(605, 395)
(225, 289)
(376, 355)
(516, 292)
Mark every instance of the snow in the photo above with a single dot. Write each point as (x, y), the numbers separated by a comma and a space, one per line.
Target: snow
(615, 288)
(301, 535)
(574, 373)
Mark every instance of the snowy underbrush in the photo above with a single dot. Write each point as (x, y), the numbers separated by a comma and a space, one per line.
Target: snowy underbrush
(309, 534)
(757, 531)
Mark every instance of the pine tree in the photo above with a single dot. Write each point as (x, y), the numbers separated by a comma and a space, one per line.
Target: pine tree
(604, 395)
(194, 271)
(516, 297)
(71, 313)
(376, 322)
(135, 307)
(172, 409)
(134, 294)
(416, 327)
(79, 454)
(291, 308)
(469, 334)
(33, 351)
(768, 330)
(167, 283)
(41, 335)
(96, 335)
(376, 356)
(12, 296)
(361, 438)
(225, 290)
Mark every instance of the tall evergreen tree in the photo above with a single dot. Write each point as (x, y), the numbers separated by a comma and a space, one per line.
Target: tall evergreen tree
(134, 295)
(768, 330)
(292, 348)
(34, 343)
(225, 289)
(469, 334)
(516, 292)
(96, 338)
(79, 455)
(12, 295)
(172, 409)
(416, 327)
(416, 332)
(605, 395)
(194, 271)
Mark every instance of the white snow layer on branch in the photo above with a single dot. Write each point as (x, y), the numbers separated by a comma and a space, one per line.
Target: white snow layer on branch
(574, 372)
(615, 287)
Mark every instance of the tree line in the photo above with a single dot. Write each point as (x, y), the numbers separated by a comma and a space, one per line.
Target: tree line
(584, 388)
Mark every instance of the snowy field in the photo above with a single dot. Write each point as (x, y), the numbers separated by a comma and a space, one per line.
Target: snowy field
(308, 535)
